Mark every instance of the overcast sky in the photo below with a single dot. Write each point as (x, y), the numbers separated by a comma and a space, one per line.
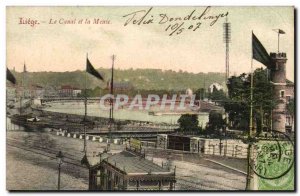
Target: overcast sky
(58, 47)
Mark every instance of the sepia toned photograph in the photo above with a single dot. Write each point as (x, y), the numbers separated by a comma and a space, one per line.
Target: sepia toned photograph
(150, 98)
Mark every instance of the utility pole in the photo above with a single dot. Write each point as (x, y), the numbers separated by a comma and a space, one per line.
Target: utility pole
(111, 117)
(59, 158)
(58, 182)
(85, 112)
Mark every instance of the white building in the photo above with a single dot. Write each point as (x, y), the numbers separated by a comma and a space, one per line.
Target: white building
(76, 92)
(189, 92)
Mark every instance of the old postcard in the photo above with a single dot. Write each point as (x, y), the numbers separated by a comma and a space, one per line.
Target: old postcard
(150, 98)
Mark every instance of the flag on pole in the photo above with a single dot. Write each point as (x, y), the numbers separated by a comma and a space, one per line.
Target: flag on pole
(91, 70)
(10, 77)
(259, 52)
(279, 31)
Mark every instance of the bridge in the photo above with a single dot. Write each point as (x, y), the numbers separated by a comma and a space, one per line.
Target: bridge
(67, 99)
(40, 101)
(50, 99)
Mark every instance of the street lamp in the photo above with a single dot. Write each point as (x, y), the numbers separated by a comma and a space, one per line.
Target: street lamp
(59, 158)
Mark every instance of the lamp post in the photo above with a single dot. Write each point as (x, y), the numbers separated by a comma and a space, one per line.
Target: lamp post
(59, 158)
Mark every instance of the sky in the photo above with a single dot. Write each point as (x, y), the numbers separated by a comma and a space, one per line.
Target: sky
(63, 47)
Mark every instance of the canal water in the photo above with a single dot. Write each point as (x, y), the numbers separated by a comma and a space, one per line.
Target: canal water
(93, 109)
(13, 127)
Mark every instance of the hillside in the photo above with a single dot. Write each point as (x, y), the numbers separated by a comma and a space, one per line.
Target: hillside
(144, 79)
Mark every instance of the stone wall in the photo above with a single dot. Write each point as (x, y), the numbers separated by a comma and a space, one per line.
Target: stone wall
(229, 147)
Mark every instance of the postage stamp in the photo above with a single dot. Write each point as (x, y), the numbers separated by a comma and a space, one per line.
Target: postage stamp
(274, 158)
(274, 162)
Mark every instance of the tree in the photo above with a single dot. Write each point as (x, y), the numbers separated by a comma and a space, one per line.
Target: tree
(188, 123)
(200, 94)
(216, 122)
(239, 106)
(97, 91)
(218, 96)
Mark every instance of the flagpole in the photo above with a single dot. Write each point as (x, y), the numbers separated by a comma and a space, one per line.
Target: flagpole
(278, 41)
(111, 100)
(251, 121)
(278, 31)
(85, 96)
(112, 86)
(85, 112)
(91, 70)
(251, 95)
(22, 89)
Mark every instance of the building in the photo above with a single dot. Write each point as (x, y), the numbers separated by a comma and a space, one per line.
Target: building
(162, 141)
(194, 144)
(76, 92)
(65, 91)
(184, 143)
(283, 93)
(68, 91)
(128, 170)
(289, 91)
(11, 92)
(209, 106)
(189, 92)
(179, 142)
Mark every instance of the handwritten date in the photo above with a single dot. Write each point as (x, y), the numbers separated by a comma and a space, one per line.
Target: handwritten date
(175, 24)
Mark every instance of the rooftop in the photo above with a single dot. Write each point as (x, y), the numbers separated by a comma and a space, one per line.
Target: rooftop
(131, 163)
(206, 106)
(69, 87)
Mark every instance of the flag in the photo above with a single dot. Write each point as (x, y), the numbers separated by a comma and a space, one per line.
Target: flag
(91, 70)
(10, 77)
(259, 52)
(279, 31)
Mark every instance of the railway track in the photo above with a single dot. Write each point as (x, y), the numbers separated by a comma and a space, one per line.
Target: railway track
(73, 158)
(51, 153)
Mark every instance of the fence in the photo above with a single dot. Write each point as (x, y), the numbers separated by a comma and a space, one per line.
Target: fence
(90, 137)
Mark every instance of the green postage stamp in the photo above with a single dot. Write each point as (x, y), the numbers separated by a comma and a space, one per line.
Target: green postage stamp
(274, 164)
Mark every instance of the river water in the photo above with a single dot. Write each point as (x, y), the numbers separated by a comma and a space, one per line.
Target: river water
(93, 109)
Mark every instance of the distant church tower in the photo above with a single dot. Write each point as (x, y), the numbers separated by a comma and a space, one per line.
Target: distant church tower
(278, 78)
(24, 82)
(24, 76)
